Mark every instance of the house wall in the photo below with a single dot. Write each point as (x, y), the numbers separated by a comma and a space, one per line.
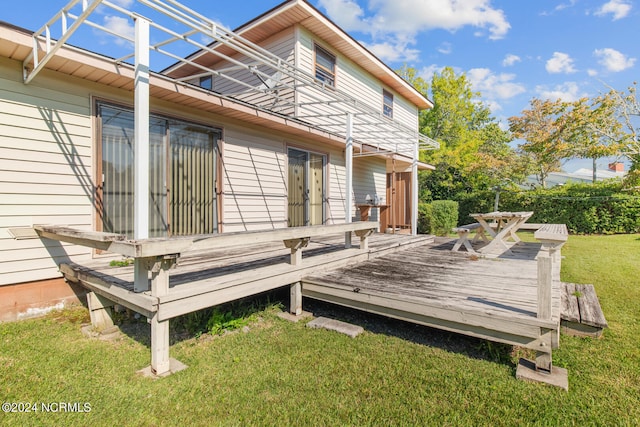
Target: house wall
(47, 165)
(354, 80)
(282, 45)
(350, 78)
(46, 169)
(369, 178)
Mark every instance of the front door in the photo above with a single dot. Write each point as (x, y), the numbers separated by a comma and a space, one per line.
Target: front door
(306, 188)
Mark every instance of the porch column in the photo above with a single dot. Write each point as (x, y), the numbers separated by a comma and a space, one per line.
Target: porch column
(349, 176)
(414, 190)
(141, 147)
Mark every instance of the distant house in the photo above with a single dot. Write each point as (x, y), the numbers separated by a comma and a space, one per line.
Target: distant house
(582, 175)
(286, 121)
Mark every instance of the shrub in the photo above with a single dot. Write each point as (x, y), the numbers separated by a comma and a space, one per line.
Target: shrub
(443, 216)
(424, 216)
(601, 208)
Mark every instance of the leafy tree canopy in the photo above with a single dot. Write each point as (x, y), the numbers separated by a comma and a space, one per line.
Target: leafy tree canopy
(474, 152)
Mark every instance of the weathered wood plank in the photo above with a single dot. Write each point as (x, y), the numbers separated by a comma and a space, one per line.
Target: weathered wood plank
(552, 232)
(210, 291)
(445, 317)
(111, 288)
(545, 280)
(175, 245)
(485, 284)
(590, 311)
(570, 309)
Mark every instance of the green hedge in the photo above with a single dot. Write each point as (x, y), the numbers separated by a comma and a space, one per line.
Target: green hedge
(603, 208)
(437, 217)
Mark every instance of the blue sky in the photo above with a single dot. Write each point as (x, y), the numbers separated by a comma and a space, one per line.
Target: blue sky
(511, 50)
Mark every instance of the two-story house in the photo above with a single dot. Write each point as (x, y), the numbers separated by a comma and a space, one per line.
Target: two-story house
(285, 121)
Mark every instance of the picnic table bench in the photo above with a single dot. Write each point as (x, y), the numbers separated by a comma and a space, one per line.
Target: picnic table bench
(504, 229)
(463, 236)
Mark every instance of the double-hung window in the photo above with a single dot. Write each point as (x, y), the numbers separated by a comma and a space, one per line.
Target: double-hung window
(325, 66)
(183, 174)
(387, 104)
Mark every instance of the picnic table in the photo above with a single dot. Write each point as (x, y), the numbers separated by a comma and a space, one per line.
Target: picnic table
(502, 228)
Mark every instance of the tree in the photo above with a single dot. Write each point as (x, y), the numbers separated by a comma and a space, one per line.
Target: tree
(410, 74)
(469, 138)
(545, 130)
(627, 111)
(595, 131)
(497, 163)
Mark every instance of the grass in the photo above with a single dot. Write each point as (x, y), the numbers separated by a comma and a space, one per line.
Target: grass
(281, 373)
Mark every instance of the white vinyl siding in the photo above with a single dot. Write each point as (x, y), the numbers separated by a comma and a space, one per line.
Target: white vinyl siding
(369, 178)
(254, 172)
(355, 81)
(282, 45)
(45, 170)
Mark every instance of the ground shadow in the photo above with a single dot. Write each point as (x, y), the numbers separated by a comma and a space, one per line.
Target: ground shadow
(194, 324)
(475, 348)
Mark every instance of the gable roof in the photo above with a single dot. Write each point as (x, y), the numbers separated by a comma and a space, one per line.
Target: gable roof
(292, 12)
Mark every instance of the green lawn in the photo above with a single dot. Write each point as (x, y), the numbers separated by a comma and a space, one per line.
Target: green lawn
(280, 373)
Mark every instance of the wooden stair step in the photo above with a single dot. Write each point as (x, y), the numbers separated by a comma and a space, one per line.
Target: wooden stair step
(581, 313)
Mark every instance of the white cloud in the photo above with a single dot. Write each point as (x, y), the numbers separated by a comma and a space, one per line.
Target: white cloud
(618, 8)
(613, 60)
(392, 51)
(563, 6)
(123, 3)
(494, 86)
(445, 48)
(427, 72)
(592, 73)
(510, 60)
(568, 91)
(347, 14)
(395, 23)
(560, 63)
(120, 26)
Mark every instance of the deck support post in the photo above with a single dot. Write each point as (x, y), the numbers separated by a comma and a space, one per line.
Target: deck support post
(100, 311)
(295, 304)
(160, 266)
(364, 238)
(140, 275)
(296, 246)
(545, 282)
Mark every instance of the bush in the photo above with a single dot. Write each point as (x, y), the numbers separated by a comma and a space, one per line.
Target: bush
(443, 216)
(601, 208)
(424, 216)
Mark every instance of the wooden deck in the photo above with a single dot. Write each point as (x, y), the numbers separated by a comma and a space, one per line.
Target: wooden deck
(205, 278)
(491, 298)
(513, 299)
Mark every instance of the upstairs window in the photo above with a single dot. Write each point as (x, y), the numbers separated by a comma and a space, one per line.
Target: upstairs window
(325, 66)
(206, 82)
(387, 104)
